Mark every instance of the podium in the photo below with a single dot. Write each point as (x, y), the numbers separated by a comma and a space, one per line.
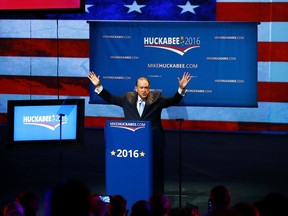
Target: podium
(129, 160)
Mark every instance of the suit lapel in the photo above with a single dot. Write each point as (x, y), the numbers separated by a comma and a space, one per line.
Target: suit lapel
(132, 99)
(149, 101)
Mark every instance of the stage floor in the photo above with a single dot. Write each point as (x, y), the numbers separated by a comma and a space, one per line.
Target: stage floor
(249, 165)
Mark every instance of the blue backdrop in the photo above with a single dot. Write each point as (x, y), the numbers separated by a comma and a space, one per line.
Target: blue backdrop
(221, 57)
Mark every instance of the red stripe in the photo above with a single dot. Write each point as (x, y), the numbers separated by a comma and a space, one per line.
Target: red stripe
(44, 47)
(79, 86)
(274, 51)
(191, 125)
(252, 11)
(224, 126)
(40, 85)
(272, 92)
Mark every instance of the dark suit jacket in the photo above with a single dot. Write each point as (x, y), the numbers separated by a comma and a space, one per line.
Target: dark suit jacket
(152, 112)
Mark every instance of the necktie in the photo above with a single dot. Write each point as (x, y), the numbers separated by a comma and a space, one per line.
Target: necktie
(141, 107)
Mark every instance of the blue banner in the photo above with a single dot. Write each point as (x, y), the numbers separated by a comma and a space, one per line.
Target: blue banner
(221, 57)
(128, 160)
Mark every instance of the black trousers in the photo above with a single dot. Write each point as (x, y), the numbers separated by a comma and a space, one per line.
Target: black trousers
(158, 161)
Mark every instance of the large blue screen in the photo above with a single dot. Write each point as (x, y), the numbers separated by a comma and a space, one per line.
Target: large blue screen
(221, 57)
(42, 122)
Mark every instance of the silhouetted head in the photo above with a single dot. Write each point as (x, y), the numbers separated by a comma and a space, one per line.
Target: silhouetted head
(246, 209)
(272, 204)
(117, 206)
(30, 202)
(141, 208)
(69, 197)
(13, 209)
(98, 206)
(220, 197)
(160, 204)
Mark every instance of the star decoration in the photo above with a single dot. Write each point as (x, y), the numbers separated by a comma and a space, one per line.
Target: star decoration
(134, 7)
(87, 7)
(142, 154)
(113, 153)
(188, 7)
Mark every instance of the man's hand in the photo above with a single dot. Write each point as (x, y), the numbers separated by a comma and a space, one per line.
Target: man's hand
(94, 79)
(185, 80)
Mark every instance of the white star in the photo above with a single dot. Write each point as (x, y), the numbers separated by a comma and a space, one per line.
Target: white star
(188, 7)
(134, 7)
(87, 8)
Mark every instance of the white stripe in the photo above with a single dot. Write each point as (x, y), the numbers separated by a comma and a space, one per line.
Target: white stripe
(253, 1)
(265, 113)
(69, 29)
(79, 29)
(44, 66)
(79, 67)
(99, 110)
(273, 31)
(15, 28)
(73, 29)
(6, 97)
(272, 71)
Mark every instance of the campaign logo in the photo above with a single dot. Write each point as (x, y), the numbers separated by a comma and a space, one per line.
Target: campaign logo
(179, 45)
(48, 121)
(132, 126)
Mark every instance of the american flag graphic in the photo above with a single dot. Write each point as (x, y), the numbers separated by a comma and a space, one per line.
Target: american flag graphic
(46, 56)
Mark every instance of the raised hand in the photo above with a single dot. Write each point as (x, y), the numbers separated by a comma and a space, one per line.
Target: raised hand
(94, 79)
(185, 80)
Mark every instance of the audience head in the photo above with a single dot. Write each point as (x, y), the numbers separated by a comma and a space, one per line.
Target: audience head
(246, 209)
(98, 206)
(13, 209)
(189, 210)
(117, 206)
(141, 208)
(160, 204)
(30, 202)
(225, 212)
(69, 197)
(219, 197)
(272, 204)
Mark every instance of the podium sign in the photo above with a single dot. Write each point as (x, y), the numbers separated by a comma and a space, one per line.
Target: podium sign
(128, 160)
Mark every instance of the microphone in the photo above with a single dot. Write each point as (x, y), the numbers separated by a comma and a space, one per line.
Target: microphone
(61, 115)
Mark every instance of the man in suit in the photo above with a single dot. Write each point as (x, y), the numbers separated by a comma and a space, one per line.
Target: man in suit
(144, 105)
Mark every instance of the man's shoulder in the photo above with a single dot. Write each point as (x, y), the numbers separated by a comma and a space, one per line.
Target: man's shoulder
(156, 93)
(154, 96)
(134, 94)
(130, 96)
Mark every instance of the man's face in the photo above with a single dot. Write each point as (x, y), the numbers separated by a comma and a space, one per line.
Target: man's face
(142, 88)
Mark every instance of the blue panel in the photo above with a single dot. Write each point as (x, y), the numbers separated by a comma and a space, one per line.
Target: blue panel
(42, 122)
(128, 160)
(221, 55)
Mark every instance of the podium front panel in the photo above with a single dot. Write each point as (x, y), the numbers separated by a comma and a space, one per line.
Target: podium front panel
(129, 160)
